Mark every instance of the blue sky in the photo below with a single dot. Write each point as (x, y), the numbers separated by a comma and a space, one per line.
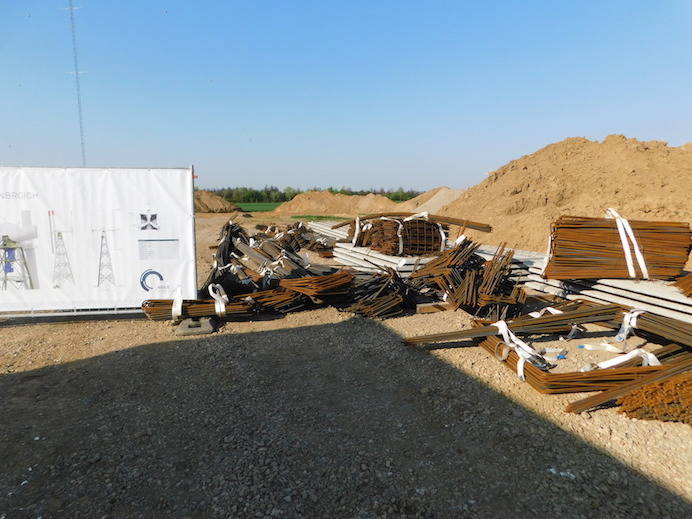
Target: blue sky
(359, 93)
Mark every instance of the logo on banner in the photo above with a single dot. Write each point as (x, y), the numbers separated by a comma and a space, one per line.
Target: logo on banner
(148, 280)
(148, 222)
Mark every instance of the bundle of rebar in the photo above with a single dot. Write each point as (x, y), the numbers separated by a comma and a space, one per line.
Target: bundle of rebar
(666, 401)
(405, 234)
(684, 284)
(381, 295)
(546, 324)
(445, 220)
(665, 327)
(240, 306)
(592, 248)
(400, 237)
(320, 286)
(382, 307)
(675, 367)
(469, 281)
(162, 309)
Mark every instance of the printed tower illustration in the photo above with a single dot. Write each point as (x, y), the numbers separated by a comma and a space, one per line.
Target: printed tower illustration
(62, 272)
(106, 276)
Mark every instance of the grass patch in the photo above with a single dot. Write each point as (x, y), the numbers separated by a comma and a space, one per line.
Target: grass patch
(258, 207)
(317, 218)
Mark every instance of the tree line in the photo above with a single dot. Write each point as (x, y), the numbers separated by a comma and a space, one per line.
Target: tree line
(274, 194)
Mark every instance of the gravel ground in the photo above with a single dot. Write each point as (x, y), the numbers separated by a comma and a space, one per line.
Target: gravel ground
(317, 414)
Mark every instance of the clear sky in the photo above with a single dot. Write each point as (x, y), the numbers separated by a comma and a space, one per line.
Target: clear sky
(317, 93)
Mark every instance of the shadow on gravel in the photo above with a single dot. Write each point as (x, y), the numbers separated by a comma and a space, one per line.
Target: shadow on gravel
(337, 420)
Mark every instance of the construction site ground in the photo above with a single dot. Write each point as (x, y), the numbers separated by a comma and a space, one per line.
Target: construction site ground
(317, 414)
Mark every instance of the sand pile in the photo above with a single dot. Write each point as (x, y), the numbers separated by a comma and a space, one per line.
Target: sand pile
(431, 201)
(326, 203)
(642, 180)
(206, 202)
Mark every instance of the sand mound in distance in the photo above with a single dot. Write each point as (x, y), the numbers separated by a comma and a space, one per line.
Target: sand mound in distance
(431, 201)
(577, 176)
(326, 203)
(206, 202)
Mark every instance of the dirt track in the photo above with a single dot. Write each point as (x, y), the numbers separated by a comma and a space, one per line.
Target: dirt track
(316, 414)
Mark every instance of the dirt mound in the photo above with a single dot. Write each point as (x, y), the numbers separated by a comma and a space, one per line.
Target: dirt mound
(431, 201)
(326, 203)
(206, 202)
(642, 180)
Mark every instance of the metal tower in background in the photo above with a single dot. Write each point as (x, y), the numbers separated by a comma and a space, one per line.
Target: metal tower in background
(72, 8)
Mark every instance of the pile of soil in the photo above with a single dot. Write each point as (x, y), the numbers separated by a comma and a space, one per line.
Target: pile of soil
(206, 202)
(431, 201)
(641, 180)
(326, 203)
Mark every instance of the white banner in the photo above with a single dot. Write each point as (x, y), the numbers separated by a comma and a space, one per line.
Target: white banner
(95, 238)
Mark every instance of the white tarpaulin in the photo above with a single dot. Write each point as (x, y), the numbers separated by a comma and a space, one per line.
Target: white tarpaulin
(95, 238)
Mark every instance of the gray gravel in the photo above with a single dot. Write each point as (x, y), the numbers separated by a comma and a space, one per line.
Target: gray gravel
(335, 420)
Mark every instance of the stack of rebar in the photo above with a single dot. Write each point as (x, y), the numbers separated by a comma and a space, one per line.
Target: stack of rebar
(382, 295)
(405, 234)
(592, 248)
(684, 284)
(399, 237)
(329, 285)
(666, 401)
(469, 281)
(546, 324)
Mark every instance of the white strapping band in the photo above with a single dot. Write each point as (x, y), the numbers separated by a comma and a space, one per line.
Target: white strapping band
(356, 231)
(399, 232)
(523, 350)
(629, 322)
(627, 237)
(648, 359)
(177, 306)
(220, 299)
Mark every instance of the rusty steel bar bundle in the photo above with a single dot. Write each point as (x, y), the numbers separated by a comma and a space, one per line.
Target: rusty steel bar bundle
(468, 224)
(667, 401)
(382, 307)
(316, 286)
(381, 295)
(675, 367)
(240, 306)
(397, 237)
(470, 281)
(665, 327)
(577, 381)
(684, 284)
(592, 248)
(552, 323)
(446, 260)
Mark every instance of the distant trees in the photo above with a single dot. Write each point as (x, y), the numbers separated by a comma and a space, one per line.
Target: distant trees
(274, 194)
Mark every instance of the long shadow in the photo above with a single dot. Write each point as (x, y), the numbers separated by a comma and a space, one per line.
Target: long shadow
(336, 420)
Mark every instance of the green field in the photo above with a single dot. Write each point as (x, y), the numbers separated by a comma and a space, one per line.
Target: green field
(255, 207)
(317, 218)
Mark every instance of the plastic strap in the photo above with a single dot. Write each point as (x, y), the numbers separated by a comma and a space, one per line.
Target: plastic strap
(549, 309)
(356, 232)
(547, 253)
(443, 236)
(177, 306)
(399, 232)
(626, 233)
(423, 216)
(629, 322)
(220, 299)
(523, 350)
(648, 359)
